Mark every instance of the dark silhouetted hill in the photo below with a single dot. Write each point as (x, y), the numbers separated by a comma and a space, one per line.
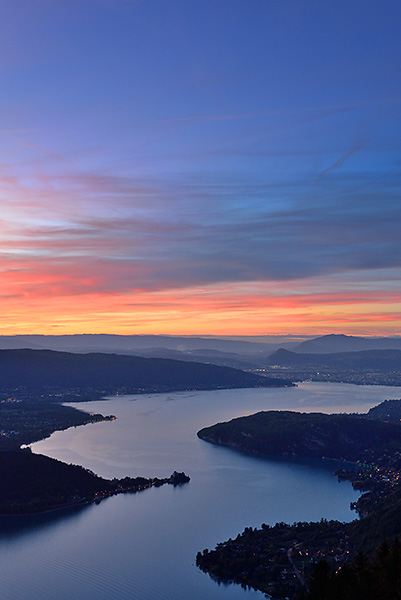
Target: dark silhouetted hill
(377, 360)
(328, 344)
(45, 369)
(287, 433)
(33, 483)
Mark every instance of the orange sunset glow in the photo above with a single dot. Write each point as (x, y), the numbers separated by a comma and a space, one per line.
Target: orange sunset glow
(212, 310)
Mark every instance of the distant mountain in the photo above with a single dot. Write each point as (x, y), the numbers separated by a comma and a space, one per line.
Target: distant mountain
(138, 344)
(329, 344)
(49, 370)
(209, 356)
(159, 345)
(378, 360)
(238, 354)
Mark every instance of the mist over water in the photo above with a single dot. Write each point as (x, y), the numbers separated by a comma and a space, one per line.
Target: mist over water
(143, 545)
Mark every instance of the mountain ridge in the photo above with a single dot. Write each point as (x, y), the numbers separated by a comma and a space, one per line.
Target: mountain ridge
(380, 360)
(334, 342)
(47, 369)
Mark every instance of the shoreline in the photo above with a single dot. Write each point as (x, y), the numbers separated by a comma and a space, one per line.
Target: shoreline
(46, 511)
(175, 479)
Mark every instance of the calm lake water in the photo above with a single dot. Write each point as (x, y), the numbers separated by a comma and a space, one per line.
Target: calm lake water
(143, 546)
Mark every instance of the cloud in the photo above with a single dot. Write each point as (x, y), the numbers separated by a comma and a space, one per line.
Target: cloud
(316, 111)
(126, 231)
(339, 163)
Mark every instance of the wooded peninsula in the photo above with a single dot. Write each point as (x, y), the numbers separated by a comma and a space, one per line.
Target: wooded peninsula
(326, 560)
(33, 483)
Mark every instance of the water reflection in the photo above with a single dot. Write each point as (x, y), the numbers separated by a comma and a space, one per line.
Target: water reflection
(14, 526)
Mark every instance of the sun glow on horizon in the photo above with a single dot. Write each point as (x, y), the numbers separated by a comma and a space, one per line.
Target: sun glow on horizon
(213, 310)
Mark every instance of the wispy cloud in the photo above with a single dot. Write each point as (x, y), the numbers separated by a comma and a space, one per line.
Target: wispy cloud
(159, 235)
(339, 162)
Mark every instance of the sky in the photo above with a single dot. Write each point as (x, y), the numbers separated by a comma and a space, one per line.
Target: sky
(205, 167)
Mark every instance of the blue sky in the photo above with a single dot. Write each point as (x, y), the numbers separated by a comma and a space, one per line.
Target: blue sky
(157, 153)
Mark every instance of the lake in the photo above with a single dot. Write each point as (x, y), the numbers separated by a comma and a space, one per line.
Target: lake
(143, 546)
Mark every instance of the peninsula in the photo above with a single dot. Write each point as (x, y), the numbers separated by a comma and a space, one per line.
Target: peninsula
(316, 435)
(33, 483)
(317, 560)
